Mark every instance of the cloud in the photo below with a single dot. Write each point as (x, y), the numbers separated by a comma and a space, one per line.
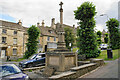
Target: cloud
(33, 11)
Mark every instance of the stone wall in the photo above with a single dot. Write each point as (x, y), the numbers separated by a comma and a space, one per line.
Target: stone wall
(76, 72)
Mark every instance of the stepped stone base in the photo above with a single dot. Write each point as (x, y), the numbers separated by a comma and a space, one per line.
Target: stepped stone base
(78, 71)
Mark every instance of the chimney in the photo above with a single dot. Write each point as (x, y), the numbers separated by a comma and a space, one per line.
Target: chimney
(53, 23)
(38, 24)
(43, 23)
(20, 23)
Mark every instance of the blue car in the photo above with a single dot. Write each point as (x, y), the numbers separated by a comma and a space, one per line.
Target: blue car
(11, 72)
(34, 60)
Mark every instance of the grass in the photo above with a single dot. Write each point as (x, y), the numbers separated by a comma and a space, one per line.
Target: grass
(103, 55)
(18, 60)
(75, 49)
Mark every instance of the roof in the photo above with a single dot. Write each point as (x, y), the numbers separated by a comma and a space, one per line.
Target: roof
(11, 25)
(47, 31)
(64, 25)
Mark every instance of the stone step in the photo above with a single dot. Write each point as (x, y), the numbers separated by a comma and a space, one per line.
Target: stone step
(33, 68)
(64, 74)
(82, 66)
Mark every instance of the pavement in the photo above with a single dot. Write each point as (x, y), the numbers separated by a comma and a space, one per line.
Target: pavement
(109, 70)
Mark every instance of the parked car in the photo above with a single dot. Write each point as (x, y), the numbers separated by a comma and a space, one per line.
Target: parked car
(34, 60)
(11, 72)
(103, 46)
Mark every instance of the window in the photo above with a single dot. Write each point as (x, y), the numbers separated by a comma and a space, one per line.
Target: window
(4, 31)
(3, 39)
(15, 41)
(54, 38)
(14, 51)
(48, 38)
(38, 40)
(15, 32)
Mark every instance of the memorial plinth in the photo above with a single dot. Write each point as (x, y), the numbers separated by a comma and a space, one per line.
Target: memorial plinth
(61, 61)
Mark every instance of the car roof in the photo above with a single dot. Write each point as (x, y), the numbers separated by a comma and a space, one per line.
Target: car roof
(41, 53)
(7, 65)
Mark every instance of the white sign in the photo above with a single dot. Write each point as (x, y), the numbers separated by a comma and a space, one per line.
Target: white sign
(2, 53)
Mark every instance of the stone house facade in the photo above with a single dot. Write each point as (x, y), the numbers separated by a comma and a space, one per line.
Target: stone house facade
(103, 34)
(49, 38)
(12, 39)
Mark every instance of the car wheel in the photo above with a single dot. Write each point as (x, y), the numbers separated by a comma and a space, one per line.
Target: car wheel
(29, 65)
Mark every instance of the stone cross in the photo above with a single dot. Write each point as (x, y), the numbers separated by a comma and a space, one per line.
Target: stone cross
(61, 5)
(61, 13)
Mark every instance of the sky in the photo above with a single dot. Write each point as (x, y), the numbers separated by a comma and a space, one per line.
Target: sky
(32, 11)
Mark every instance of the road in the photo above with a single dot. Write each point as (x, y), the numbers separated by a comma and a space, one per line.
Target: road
(109, 70)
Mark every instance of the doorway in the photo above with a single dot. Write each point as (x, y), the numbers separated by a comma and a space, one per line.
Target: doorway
(45, 48)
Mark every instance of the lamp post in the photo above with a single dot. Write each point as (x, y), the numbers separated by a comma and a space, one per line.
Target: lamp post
(109, 51)
(104, 15)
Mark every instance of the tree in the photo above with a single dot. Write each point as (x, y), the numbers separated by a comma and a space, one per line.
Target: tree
(33, 34)
(113, 28)
(87, 40)
(69, 37)
(106, 38)
(99, 33)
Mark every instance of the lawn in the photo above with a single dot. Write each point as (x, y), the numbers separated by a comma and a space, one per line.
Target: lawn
(75, 49)
(18, 60)
(103, 55)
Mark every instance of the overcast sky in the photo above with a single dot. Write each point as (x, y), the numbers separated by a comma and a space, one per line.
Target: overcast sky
(33, 11)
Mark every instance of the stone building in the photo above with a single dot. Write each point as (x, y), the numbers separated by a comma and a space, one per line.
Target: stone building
(103, 34)
(48, 38)
(12, 38)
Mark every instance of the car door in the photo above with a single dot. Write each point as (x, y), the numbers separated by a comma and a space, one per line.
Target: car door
(38, 59)
(43, 59)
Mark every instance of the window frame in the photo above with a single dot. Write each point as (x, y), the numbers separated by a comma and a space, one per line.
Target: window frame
(54, 38)
(15, 32)
(4, 40)
(4, 31)
(14, 39)
(13, 51)
(48, 38)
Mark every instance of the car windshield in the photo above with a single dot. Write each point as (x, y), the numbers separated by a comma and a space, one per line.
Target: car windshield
(6, 70)
(32, 57)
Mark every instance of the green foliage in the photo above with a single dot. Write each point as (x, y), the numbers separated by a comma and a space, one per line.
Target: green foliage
(69, 37)
(99, 41)
(113, 27)
(106, 38)
(85, 11)
(106, 34)
(99, 33)
(33, 34)
(87, 40)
